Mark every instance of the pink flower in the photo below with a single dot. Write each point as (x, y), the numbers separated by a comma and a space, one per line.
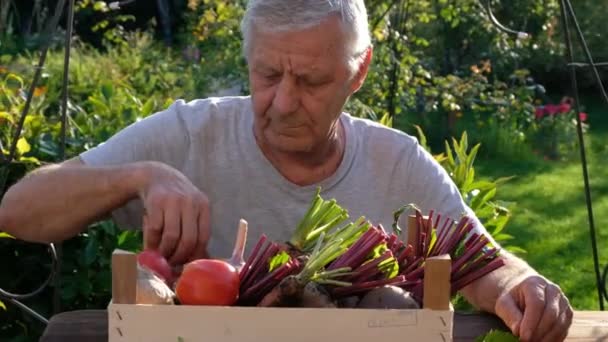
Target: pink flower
(551, 109)
(540, 112)
(583, 116)
(563, 108)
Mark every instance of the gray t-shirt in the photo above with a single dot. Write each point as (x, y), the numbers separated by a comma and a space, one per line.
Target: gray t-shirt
(211, 142)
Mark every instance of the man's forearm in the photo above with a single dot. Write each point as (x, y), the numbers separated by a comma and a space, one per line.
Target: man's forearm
(56, 202)
(484, 292)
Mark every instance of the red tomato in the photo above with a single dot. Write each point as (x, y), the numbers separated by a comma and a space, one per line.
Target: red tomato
(208, 282)
(156, 263)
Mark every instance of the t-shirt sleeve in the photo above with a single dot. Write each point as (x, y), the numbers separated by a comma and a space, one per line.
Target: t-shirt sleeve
(435, 189)
(162, 137)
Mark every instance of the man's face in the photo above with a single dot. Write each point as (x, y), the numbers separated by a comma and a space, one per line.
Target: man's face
(299, 84)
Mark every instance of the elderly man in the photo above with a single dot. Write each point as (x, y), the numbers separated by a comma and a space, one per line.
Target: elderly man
(189, 173)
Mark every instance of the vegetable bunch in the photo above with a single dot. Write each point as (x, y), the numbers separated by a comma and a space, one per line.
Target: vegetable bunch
(329, 262)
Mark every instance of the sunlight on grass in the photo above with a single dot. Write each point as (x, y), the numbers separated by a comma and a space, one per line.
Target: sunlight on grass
(550, 220)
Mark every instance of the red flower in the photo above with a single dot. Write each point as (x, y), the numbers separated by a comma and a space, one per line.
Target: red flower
(583, 116)
(563, 108)
(551, 109)
(540, 112)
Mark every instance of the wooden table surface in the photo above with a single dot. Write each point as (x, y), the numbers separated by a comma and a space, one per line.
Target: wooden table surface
(92, 325)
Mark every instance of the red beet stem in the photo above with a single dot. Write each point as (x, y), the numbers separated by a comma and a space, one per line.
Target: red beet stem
(402, 258)
(270, 280)
(341, 260)
(446, 233)
(412, 266)
(261, 266)
(391, 243)
(456, 237)
(442, 235)
(474, 265)
(437, 220)
(246, 268)
(348, 290)
(479, 242)
(464, 281)
(357, 256)
(415, 274)
(370, 269)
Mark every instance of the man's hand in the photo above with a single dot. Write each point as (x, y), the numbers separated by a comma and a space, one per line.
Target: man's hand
(176, 219)
(535, 310)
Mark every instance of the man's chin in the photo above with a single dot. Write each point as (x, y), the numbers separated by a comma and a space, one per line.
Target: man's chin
(289, 144)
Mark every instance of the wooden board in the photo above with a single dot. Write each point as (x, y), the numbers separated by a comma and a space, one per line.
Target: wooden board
(243, 324)
(92, 326)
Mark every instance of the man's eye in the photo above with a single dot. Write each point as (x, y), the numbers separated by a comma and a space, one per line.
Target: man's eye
(314, 83)
(271, 77)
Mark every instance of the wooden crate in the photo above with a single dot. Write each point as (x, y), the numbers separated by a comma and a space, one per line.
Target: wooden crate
(128, 321)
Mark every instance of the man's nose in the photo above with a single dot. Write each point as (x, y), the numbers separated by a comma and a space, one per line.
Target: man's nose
(287, 99)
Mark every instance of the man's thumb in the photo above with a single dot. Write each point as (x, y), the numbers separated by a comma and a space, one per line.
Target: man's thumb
(509, 312)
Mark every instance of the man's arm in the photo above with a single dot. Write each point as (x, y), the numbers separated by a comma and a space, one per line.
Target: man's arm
(56, 202)
(484, 292)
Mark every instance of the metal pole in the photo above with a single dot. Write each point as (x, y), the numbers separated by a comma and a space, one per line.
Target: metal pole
(62, 146)
(581, 139)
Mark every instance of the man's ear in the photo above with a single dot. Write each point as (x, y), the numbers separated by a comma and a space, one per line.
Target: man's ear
(361, 74)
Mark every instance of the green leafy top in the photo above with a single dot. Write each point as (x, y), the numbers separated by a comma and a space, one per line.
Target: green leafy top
(497, 336)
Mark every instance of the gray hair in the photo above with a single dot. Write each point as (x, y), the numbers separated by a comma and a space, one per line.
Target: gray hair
(290, 15)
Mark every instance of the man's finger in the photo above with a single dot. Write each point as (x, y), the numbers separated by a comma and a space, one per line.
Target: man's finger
(559, 331)
(204, 232)
(171, 231)
(187, 241)
(509, 312)
(534, 306)
(152, 228)
(551, 312)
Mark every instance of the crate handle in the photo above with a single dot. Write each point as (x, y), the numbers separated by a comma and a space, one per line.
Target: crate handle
(124, 277)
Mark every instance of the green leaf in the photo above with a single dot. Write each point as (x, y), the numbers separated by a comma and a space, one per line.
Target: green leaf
(516, 250)
(502, 237)
(389, 267)
(23, 146)
(377, 251)
(387, 120)
(497, 336)
(90, 251)
(14, 82)
(422, 138)
(2, 306)
(148, 107)
(100, 6)
(107, 89)
(479, 185)
(6, 116)
(6, 236)
(278, 260)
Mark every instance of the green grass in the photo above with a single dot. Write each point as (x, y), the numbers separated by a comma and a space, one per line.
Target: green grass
(550, 220)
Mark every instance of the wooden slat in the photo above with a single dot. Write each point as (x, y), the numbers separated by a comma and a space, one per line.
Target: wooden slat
(412, 230)
(252, 324)
(437, 282)
(92, 326)
(124, 277)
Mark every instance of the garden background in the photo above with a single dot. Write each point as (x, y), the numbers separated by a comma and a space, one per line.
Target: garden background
(496, 110)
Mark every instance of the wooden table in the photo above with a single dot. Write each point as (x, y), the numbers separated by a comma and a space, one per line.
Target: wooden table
(92, 326)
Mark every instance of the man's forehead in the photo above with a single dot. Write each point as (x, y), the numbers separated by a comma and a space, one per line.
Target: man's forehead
(292, 64)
